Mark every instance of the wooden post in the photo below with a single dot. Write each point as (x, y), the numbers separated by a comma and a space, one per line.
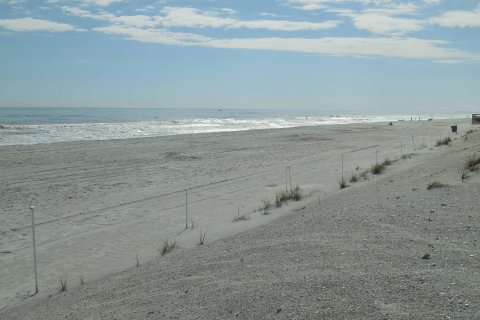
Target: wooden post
(186, 208)
(286, 179)
(290, 177)
(342, 168)
(32, 210)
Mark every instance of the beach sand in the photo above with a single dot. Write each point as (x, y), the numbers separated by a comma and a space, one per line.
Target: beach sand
(352, 253)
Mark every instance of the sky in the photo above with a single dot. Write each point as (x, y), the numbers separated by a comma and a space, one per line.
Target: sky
(354, 55)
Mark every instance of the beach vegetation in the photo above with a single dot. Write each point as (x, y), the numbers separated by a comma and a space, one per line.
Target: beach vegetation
(435, 185)
(63, 285)
(444, 141)
(464, 174)
(342, 183)
(377, 168)
(202, 237)
(282, 197)
(472, 162)
(387, 162)
(266, 206)
(241, 217)
(364, 175)
(168, 247)
(353, 178)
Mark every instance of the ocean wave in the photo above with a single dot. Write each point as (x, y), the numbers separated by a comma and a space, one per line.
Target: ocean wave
(49, 133)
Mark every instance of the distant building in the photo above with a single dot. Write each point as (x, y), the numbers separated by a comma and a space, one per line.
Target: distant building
(476, 118)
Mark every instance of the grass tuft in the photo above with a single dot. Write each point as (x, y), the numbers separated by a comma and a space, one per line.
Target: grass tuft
(464, 174)
(435, 185)
(472, 162)
(282, 197)
(63, 285)
(444, 141)
(266, 206)
(342, 183)
(386, 162)
(243, 217)
(202, 237)
(353, 178)
(377, 168)
(168, 247)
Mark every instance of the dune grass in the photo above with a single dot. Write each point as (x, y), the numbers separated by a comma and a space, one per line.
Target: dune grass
(168, 247)
(472, 162)
(342, 183)
(202, 237)
(63, 285)
(435, 185)
(444, 141)
(282, 197)
(354, 178)
(241, 217)
(266, 207)
(377, 168)
(387, 162)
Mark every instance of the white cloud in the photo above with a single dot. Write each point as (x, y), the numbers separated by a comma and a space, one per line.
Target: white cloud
(432, 2)
(160, 36)
(32, 24)
(394, 9)
(175, 17)
(384, 24)
(386, 47)
(102, 3)
(358, 47)
(193, 18)
(460, 19)
(311, 5)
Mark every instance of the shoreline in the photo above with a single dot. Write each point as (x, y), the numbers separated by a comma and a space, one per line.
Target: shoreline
(122, 193)
(106, 131)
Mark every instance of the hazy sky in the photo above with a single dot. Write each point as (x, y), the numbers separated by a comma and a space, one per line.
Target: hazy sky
(356, 55)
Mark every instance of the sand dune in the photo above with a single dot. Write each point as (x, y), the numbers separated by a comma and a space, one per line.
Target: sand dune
(353, 254)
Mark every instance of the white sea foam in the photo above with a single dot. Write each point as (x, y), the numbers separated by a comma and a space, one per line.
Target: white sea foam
(48, 133)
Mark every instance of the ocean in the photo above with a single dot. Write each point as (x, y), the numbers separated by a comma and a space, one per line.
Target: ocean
(48, 125)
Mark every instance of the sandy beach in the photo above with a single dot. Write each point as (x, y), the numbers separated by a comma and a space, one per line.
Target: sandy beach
(354, 253)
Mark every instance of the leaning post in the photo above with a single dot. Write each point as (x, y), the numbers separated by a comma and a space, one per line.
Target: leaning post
(32, 210)
(186, 208)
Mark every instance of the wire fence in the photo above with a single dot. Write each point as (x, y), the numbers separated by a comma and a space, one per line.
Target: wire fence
(85, 244)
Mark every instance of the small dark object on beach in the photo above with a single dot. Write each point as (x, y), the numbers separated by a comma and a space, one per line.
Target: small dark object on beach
(426, 256)
(435, 185)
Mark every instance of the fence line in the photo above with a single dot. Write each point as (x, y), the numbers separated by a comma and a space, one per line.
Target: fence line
(196, 191)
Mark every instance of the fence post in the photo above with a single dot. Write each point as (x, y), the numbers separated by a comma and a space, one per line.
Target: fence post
(290, 177)
(342, 167)
(286, 179)
(186, 208)
(32, 210)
